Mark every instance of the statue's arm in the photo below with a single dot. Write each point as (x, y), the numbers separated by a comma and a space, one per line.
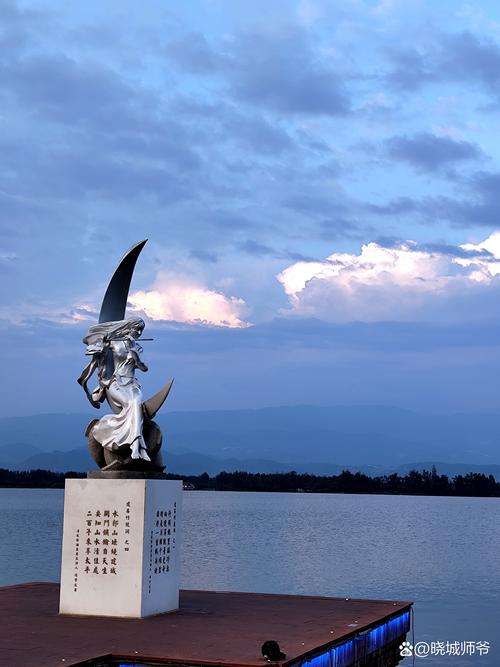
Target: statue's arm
(137, 361)
(87, 373)
(133, 352)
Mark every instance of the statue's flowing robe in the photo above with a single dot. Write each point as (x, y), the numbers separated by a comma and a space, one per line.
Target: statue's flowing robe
(124, 395)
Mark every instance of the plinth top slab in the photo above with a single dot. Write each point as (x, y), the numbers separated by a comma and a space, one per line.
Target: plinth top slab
(125, 474)
(209, 628)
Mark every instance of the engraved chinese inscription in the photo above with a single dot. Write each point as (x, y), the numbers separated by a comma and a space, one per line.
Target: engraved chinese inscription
(162, 542)
(77, 556)
(101, 542)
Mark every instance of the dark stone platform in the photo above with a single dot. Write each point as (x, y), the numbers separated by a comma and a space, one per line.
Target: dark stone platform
(125, 474)
(210, 628)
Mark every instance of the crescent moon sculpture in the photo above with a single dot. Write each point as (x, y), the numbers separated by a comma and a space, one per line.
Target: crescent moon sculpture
(127, 441)
(114, 303)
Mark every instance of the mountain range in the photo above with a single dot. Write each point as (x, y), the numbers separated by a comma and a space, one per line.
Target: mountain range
(321, 440)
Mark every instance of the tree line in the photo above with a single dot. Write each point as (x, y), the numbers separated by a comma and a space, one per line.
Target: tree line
(425, 482)
(36, 479)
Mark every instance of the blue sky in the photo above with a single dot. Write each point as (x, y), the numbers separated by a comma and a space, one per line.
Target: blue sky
(319, 183)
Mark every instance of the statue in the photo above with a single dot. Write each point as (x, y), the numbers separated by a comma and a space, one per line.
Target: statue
(128, 439)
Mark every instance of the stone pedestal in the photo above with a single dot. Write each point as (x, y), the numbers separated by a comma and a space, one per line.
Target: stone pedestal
(120, 554)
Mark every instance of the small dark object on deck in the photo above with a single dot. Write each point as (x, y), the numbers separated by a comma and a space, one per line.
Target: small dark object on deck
(271, 651)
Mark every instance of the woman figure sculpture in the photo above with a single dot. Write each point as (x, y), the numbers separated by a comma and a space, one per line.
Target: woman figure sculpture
(116, 356)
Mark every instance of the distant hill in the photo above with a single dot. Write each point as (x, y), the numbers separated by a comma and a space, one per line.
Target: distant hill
(194, 463)
(11, 456)
(304, 438)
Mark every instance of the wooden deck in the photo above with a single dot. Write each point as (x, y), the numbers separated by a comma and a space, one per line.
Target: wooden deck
(211, 628)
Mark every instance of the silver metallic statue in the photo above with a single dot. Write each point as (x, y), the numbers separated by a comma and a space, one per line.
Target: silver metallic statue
(127, 439)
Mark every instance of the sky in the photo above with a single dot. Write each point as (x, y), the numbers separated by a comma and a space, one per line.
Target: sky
(319, 182)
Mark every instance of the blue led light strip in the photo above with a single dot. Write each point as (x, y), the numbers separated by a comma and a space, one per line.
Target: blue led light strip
(361, 645)
(358, 647)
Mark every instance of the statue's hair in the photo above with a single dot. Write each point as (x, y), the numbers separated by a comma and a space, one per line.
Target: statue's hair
(108, 330)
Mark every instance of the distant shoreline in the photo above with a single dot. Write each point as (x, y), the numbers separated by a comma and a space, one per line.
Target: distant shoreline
(422, 483)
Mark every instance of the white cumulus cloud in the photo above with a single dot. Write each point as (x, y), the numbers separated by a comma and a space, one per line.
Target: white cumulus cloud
(182, 300)
(398, 282)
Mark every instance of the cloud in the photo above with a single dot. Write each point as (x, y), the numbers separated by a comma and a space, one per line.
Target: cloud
(411, 69)
(178, 300)
(255, 132)
(453, 57)
(402, 281)
(30, 315)
(284, 72)
(172, 299)
(479, 205)
(96, 132)
(8, 256)
(204, 255)
(280, 69)
(193, 54)
(466, 57)
(62, 88)
(428, 152)
(19, 25)
(255, 248)
(398, 206)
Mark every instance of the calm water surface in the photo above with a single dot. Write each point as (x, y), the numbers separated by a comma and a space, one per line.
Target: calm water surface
(443, 553)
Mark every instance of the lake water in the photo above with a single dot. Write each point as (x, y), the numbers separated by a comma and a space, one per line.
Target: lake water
(443, 553)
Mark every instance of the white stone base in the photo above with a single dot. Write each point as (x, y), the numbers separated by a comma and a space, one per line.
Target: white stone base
(120, 554)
